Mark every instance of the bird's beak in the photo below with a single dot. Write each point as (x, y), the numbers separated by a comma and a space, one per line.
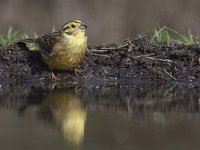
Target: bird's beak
(83, 26)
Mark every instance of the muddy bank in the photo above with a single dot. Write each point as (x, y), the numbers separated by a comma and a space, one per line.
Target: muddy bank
(136, 59)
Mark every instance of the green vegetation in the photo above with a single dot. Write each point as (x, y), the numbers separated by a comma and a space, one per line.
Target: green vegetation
(14, 36)
(9, 38)
(160, 35)
(167, 35)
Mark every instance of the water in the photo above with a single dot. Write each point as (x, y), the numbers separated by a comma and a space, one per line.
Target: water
(88, 117)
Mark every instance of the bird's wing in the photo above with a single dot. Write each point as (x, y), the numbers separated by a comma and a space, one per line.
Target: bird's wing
(47, 41)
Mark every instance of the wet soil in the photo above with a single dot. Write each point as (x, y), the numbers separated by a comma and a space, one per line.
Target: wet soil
(136, 59)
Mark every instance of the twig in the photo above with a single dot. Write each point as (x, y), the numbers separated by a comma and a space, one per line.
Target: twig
(100, 55)
(169, 74)
(140, 36)
(146, 55)
(163, 60)
(98, 50)
(123, 45)
(109, 48)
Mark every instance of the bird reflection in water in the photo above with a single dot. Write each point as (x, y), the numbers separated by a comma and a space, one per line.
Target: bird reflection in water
(68, 113)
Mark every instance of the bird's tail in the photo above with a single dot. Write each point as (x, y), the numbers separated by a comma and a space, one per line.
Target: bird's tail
(26, 41)
(29, 44)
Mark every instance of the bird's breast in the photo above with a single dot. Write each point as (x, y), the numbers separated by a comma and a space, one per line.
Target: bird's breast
(64, 57)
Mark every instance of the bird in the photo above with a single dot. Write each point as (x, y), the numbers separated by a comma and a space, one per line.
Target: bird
(64, 49)
(68, 113)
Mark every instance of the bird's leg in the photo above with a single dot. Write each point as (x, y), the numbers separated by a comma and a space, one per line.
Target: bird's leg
(77, 72)
(52, 74)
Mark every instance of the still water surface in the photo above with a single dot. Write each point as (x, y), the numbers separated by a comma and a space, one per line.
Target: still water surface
(120, 117)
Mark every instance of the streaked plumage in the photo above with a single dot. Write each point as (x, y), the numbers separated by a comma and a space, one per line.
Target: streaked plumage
(64, 49)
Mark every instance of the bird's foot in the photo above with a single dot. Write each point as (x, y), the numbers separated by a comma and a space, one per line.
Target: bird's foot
(77, 72)
(53, 76)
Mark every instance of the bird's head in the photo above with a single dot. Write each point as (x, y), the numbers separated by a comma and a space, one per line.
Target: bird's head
(73, 28)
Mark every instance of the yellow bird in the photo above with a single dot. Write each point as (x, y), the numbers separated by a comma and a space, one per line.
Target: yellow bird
(68, 113)
(64, 49)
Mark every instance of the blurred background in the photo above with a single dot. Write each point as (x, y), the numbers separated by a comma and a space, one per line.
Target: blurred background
(108, 21)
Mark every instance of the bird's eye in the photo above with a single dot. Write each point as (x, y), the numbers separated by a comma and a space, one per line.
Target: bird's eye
(73, 26)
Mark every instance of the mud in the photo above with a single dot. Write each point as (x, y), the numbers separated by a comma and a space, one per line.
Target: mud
(131, 60)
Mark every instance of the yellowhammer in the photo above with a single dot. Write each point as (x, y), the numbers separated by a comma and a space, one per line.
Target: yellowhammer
(64, 49)
(68, 113)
